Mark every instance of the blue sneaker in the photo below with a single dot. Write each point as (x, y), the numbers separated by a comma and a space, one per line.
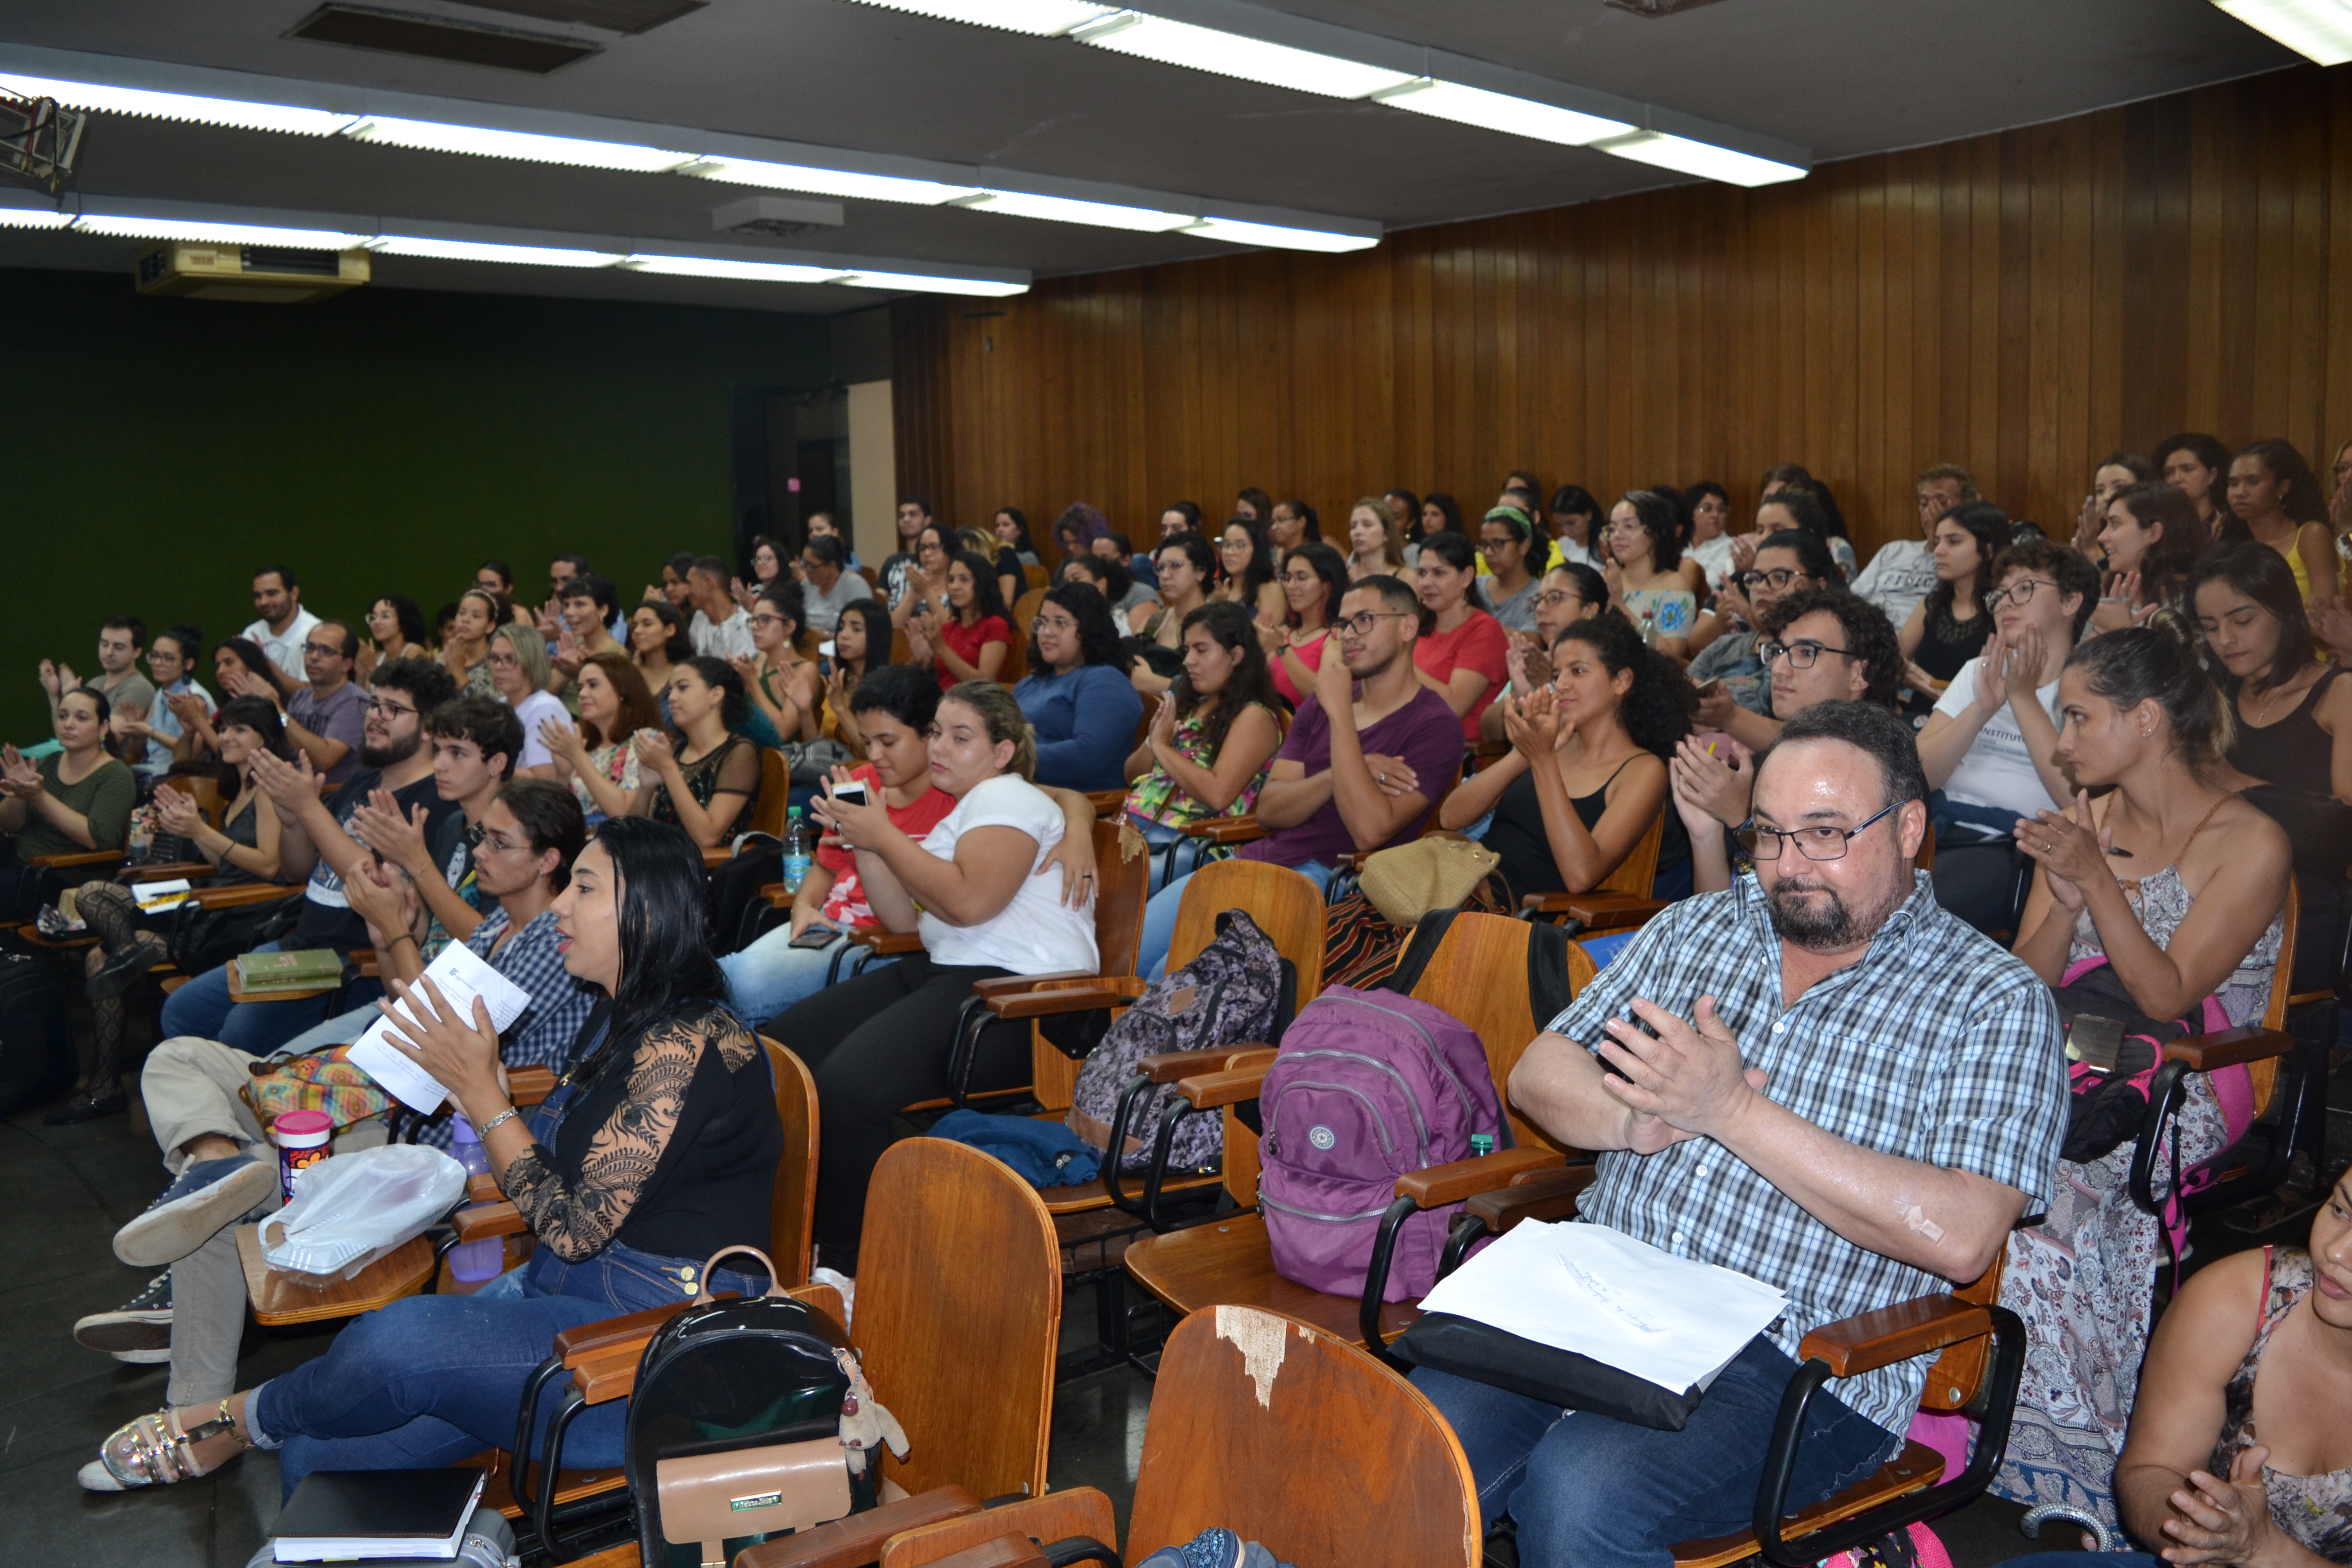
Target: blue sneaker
(208, 1195)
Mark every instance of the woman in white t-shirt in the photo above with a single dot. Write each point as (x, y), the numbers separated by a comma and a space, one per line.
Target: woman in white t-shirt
(977, 888)
(519, 669)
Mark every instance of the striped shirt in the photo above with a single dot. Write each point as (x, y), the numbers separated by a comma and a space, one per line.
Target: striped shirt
(1937, 1047)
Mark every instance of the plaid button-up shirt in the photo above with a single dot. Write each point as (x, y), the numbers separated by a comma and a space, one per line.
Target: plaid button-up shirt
(558, 1007)
(1936, 1046)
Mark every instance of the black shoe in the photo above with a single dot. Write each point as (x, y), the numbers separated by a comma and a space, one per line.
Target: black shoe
(121, 972)
(82, 1108)
(137, 1330)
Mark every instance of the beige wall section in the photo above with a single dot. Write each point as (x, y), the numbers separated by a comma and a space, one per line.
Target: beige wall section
(873, 472)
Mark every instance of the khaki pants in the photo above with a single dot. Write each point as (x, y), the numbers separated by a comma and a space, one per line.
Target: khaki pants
(190, 1086)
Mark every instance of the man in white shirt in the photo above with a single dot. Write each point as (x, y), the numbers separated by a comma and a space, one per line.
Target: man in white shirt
(1903, 572)
(722, 628)
(284, 626)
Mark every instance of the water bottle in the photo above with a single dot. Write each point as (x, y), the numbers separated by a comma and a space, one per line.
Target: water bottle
(466, 1145)
(473, 1261)
(796, 851)
(1649, 628)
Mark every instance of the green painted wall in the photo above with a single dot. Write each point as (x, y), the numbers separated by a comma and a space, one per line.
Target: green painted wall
(385, 441)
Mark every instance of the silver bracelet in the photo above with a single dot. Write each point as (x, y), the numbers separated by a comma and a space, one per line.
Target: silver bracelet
(495, 1122)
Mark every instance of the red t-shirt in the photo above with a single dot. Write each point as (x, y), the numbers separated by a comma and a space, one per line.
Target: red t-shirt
(966, 641)
(1478, 643)
(845, 901)
(1311, 655)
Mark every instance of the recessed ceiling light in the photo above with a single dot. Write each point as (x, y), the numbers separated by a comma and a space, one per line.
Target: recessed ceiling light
(1237, 231)
(1704, 159)
(919, 283)
(2319, 29)
(482, 250)
(1040, 18)
(1501, 111)
(199, 232)
(1230, 54)
(826, 181)
(429, 136)
(755, 271)
(237, 114)
(1064, 209)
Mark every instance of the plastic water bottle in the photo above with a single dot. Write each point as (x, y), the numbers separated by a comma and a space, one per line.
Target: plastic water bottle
(466, 1146)
(796, 851)
(1649, 628)
(473, 1261)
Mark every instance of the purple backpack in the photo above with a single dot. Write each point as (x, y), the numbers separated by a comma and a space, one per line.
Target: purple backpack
(1368, 1085)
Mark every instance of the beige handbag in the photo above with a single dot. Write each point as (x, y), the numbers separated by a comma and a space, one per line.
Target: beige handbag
(1407, 882)
(709, 1498)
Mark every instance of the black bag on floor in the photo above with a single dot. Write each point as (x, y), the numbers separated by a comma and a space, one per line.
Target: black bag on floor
(37, 1053)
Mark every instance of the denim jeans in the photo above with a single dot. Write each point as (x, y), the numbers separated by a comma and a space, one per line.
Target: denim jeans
(202, 1007)
(1159, 918)
(1596, 1492)
(429, 1380)
(1190, 853)
(771, 975)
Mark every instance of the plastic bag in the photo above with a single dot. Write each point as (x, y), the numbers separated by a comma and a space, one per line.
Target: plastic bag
(355, 1207)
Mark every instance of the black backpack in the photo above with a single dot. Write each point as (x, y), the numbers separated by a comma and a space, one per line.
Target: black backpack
(37, 1053)
(735, 1425)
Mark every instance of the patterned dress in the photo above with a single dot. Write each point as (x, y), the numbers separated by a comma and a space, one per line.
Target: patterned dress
(2084, 1278)
(2316, 1510)
(1156, 797)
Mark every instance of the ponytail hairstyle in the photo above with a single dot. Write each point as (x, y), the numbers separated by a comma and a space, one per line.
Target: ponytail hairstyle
(2141, 663)
(717, 673)
(1657, 709)
(1003, 720)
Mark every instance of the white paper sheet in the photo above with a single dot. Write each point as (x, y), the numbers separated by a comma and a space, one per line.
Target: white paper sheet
(461, 977)
(1601, 1293)
(155, 898)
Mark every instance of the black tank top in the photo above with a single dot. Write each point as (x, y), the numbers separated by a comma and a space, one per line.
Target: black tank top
(2294, 753)
(1945, 646)
(1516, 834)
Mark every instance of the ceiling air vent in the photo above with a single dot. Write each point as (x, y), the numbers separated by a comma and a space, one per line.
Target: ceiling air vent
(774, 217)
(1654, 8)
(612, 16)
(435, 38)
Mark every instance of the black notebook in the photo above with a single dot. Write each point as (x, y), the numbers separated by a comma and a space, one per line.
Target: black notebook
(345, 1514)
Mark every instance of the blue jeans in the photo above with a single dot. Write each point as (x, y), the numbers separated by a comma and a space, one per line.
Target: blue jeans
(1159, 918)
(771, 975)
(1190, 853)
(202, 1008)
(429, 1380)
(1596, 1493)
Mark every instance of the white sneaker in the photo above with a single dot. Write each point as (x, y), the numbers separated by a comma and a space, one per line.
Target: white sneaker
(841, 1282)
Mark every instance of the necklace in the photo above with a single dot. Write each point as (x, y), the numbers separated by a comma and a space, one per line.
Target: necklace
(2263, 713)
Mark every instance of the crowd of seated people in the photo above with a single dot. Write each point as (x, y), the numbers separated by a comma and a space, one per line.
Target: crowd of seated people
(2066, 731)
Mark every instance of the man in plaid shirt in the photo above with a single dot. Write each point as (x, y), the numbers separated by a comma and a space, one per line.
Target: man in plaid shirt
(1841, 1090)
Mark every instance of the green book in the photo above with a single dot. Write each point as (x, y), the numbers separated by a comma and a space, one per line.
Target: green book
(309, 969)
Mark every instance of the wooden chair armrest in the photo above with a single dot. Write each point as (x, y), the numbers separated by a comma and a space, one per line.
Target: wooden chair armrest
(857, 1540)
(1545, 1194)
(1437, 1185)
(1598, 911)
(167, 871)
(609, 1374)
(1868, 1341)
(1107, 802)
(1049, 1001)
(485, 1220)
(1231, 1087)
(1010, 1550)
(1056, 1516)
(1013, 985)
(66, 862)
(366, 960)
(1225, 829)
(778, 896)
(1485, 748)
(240, 895)
(1167, 1066)
(530, 1086)
(718, 856)
(483, 1188)
(886, 942)
(2230, 1047)
(592, 1339)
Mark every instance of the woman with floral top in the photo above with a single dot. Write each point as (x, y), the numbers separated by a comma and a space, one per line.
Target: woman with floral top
(1211, 741)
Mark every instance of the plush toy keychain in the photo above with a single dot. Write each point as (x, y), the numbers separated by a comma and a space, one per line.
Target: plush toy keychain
(865, 1421)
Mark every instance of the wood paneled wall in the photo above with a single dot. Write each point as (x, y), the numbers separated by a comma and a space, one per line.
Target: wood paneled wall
(2023, 303)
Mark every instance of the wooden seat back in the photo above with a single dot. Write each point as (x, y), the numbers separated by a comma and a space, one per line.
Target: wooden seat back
(959, 1313)
(775, 793)
(1024, 609)
(1638, 870)
(1122, 886)
(2263, 1074)
(1037, 577)
(205, 791)
(792, 1213)
(1286, 1436)
(1286, 906)
(1479, 974)
(1958, 1371)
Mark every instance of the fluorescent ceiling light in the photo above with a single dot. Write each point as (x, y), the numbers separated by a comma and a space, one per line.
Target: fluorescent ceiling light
(1687, 157)
(1063, 209)
(1039, 18)
(826, 181)
(2319, 29)
(32, 217)
(918, 283)
(427, 136)
(755, 271)
(1281, 237)
(282, 117)
(479, 251)
(1230, 54)
(216, 233)
(1500, 111)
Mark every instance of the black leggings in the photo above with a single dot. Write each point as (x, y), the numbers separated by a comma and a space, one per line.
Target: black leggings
(875, 1044)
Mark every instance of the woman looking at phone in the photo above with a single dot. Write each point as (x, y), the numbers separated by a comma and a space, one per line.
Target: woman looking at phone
(1211, 737)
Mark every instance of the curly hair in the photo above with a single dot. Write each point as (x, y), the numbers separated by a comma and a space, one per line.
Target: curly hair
(1252, 680)
(1868, 634)
(1098, 639)
(1657, 709)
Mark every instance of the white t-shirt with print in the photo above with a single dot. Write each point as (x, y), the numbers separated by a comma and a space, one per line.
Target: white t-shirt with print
(1996, 770)
(1901, 573)
(1037, 933)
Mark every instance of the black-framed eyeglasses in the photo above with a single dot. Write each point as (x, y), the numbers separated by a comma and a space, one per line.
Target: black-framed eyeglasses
(1812, 842)
(1802, 655)
(1778, 578)
(382, 709)
(2019, 592)
(768, 620)
(1362, 621)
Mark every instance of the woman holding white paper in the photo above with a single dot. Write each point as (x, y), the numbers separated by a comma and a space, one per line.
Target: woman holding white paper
(658, 1149)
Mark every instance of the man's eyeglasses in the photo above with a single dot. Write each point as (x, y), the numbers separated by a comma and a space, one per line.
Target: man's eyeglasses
(1777, 579)
(1362, 621)
(2019, 592)
(322, 650)
(1812, 842)
(1052, 624)
(382, 709)
(1802, 655)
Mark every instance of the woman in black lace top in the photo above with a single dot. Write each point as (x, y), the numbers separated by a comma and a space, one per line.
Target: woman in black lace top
(658, 1148)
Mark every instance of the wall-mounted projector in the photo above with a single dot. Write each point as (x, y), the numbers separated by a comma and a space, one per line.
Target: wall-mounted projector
(255, 272)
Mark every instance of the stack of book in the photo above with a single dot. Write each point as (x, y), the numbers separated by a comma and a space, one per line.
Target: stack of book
(312, 969)
(355, 1517)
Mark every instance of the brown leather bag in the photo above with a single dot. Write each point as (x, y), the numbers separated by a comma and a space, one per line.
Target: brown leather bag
(707, 1498)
